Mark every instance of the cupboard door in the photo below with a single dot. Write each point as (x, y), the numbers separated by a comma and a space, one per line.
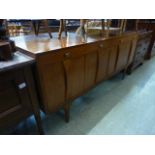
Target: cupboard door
(132, 51)
(107, 59)
(103, 64)
(123, 55)
(75, 76)
(112, 59)
(51, 81)
(81, 69)
(91, 64)
(14, 99)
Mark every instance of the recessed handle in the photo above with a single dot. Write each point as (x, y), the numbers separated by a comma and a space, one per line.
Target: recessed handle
(101, 45)
(67, 55)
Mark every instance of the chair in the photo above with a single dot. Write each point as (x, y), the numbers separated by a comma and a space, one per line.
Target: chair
(62, 28)
(87, 25)
(36, 26)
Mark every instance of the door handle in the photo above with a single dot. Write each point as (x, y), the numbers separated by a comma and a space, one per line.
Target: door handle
(101, 45)
(67, 55)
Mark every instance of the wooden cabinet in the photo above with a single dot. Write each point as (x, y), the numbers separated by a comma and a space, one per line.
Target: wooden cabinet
(18, 99)
(141, 50)
(71, 67)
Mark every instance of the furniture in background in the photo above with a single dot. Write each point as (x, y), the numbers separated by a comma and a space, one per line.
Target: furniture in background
(144, 38)
(102, 27)
(4, 34)
(62, 28)
(122, 24)
(7, 46)
(18, 98)
(18, 27)
(5, 51)
(148, 25)
(61, 25)
(27, 26)
(92, 26)
(67, 68)
(132, 25)
(44, 23)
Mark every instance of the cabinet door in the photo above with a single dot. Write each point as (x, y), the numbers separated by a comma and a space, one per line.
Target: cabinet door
(75, 76)
(81, 69)
(113, 54)
(51, 81)
(124, 53)
(107, 59)
(91, 66)
(103, 63)
(132, 50)
(15, 103)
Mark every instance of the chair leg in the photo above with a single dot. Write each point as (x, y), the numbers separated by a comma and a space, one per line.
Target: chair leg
(65, 28)
(62, 28)
(33, 25)
(37, 28)
(47, 28)
(67, 112)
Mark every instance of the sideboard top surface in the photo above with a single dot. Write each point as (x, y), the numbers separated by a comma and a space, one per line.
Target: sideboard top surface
(35, 45)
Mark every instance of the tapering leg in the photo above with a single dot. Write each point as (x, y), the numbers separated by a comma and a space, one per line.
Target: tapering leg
(38, 122)
(67, 112)
(34, 99)
(123, 74)
(129, 70)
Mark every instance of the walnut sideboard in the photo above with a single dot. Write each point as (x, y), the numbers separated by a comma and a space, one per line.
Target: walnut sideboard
(67, 68)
